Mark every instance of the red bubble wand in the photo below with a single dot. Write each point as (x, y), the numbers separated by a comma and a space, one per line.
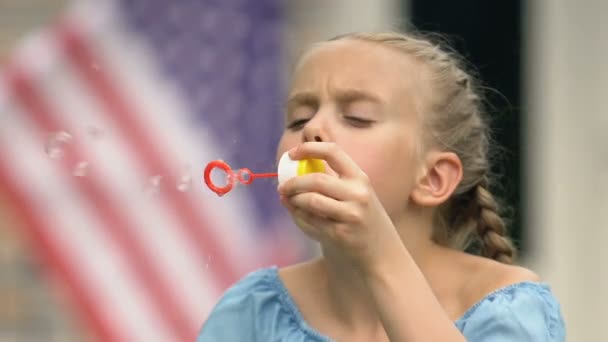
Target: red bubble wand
(244, 176)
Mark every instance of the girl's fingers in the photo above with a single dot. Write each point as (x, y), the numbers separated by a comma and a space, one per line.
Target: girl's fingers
(337, 159)
(285, 202)
(323, 207)
(322, 183)
(309, 223)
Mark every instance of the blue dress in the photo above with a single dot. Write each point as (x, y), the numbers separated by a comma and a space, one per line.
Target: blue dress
(259, 308)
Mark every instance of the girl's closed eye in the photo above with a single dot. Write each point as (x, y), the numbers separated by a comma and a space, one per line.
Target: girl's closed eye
(297, 124)
(359, 114)
(358, 121)
(298, 116)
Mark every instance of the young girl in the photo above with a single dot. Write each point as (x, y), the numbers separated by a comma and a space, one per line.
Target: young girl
(402, 130)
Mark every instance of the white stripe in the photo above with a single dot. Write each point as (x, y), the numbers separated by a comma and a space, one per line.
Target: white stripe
(37, 52)
(96, 258)
(114, 165)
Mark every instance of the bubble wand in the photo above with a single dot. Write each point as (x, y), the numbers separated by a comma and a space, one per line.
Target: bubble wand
(287, 169)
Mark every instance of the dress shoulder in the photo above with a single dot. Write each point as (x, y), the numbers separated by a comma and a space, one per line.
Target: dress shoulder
(256, 308)
(526, 311)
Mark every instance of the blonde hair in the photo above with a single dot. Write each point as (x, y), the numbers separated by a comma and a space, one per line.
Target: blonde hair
(455, 114)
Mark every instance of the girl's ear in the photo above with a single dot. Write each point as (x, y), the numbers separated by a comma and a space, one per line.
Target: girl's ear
(443, 173)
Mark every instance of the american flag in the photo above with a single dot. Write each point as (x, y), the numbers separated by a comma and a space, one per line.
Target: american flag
(107, 119)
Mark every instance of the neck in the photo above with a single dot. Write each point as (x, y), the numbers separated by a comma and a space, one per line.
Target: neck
(350, 300)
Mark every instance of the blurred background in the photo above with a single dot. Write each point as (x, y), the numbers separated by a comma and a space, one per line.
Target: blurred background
(110, 110)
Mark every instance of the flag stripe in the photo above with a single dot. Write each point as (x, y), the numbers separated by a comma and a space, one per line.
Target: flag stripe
(121, 113)
(107, 213)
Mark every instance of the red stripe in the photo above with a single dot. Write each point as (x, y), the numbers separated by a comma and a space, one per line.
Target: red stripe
(111, 216)
(51, 256)
(146, 148)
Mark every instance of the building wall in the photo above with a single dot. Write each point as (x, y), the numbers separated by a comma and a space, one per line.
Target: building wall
(567, 139)
(18, 17)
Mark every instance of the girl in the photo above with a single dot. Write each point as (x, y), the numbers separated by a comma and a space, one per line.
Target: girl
(402, 130)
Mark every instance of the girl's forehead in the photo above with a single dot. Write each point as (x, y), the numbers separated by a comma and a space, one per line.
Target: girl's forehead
(359, 64)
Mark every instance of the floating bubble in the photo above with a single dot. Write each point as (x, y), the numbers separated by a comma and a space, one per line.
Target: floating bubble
(208, 261)
(184, 181)
(55, 146)
(184, 186)
(153, 185)
(81, 169)
(155, 180)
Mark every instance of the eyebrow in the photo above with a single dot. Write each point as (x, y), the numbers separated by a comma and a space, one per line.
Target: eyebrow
(302, 98)
(351, 95)
(343, 96)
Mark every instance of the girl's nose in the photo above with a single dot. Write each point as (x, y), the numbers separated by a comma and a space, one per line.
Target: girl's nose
(316, 137)
(315, 130)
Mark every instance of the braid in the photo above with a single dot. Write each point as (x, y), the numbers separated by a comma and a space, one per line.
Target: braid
(491, 228)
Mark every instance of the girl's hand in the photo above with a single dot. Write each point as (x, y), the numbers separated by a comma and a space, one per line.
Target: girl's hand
(340, 210)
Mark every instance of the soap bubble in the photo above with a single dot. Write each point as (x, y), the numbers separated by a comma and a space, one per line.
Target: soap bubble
(81, 169)
(208, 261)
(184, 184)
(56, 143)
(152, 185)
(184, 180)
